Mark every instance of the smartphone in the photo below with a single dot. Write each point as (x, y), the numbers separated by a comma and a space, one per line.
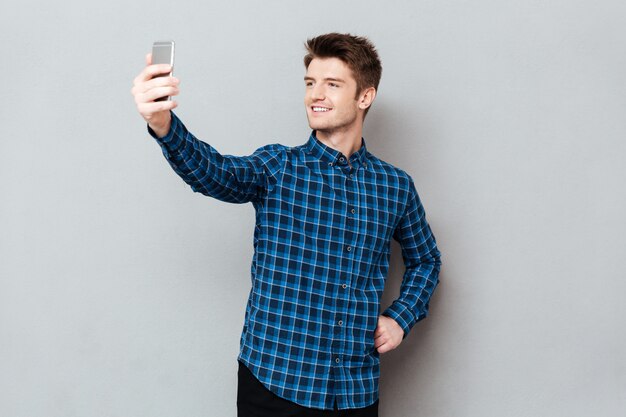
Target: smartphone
(163, 53)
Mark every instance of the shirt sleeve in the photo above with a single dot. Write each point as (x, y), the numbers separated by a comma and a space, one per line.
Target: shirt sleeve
(232, 179)
(422, 260)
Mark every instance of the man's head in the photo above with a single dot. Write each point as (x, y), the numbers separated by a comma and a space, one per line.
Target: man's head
(353, 56)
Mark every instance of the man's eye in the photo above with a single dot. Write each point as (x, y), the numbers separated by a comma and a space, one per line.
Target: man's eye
(333, 85)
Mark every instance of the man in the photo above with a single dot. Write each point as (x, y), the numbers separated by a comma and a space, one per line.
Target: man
(326, 211)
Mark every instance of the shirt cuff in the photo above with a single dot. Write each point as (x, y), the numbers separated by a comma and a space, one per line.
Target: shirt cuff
(402, 315)
(174, 139)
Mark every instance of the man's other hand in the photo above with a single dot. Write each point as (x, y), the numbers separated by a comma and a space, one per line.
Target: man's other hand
(147, 87)
(388, 334)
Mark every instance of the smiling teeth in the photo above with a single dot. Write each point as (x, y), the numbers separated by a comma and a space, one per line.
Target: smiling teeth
(320, 109)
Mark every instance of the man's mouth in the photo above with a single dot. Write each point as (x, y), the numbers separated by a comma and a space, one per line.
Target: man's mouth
(320, 109)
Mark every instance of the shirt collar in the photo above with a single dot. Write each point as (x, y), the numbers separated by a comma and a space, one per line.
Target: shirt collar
(319, 150)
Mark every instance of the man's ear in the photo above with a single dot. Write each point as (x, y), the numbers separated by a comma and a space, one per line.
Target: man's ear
(367, 98)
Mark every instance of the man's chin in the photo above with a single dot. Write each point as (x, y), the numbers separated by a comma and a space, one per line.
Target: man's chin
(317, 126)
(315, 122)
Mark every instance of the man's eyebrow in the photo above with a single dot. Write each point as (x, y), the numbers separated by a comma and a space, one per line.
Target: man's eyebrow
(325, 79)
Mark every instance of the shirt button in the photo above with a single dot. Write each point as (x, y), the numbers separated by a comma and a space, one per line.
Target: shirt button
(340, 323)
(344, 286)
(351, 175)
(337, 360)
(349, 248)
(342, 159)
(353, 211)
(330, 164)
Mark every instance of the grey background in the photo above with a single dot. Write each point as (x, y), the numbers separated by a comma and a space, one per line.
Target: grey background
(122, 292)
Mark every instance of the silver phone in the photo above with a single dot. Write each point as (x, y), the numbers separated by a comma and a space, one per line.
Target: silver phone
(163, 53)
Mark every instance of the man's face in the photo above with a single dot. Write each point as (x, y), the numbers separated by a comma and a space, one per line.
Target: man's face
(330, 96)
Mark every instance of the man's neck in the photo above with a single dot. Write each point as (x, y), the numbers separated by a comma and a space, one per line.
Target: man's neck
(346, 142)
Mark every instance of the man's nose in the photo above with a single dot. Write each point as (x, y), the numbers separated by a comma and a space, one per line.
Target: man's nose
(317, 93)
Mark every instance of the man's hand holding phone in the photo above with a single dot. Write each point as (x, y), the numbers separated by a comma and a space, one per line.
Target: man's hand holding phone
(151, 84)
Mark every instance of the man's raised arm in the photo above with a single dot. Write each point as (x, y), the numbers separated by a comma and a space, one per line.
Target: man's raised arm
(233, 179)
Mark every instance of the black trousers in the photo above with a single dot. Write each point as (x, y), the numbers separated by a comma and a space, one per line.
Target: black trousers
(254, 400)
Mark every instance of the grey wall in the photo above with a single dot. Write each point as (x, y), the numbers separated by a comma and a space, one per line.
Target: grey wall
(122, 292)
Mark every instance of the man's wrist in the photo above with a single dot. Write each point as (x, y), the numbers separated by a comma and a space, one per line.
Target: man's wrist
(401, 315)
(173, 138)
(161, 131)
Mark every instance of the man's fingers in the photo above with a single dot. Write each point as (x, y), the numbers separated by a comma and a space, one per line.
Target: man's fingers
(151, 71)
(149, 58)
(150, 108)
(144, 93)
(141, 87)
(379, 342)
(155, 93)
(161, 82)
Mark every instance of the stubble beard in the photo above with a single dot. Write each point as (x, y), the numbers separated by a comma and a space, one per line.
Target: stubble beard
(334, 126)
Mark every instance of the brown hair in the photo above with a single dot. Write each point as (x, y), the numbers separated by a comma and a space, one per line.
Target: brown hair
(357, 52)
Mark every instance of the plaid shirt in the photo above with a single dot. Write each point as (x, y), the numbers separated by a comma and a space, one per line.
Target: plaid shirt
(321, 256)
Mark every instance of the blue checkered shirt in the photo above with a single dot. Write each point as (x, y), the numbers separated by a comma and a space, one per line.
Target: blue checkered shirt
(322, 239)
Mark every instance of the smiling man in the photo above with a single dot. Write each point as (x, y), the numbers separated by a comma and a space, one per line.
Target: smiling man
(326, 212)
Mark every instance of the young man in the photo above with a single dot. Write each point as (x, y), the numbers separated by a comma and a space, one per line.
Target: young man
(326, 211)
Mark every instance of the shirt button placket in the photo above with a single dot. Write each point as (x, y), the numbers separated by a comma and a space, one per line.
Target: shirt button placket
(342, 333)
